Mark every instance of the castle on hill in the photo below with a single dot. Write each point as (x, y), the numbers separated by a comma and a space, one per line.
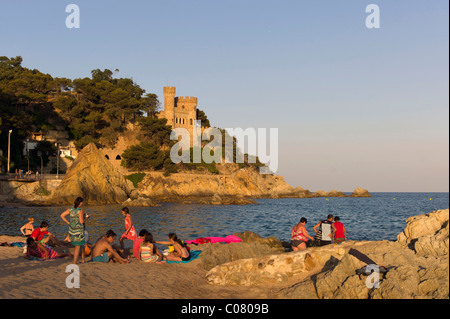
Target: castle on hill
(179, 111)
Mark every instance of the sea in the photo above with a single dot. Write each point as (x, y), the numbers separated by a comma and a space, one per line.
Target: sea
(380, 217)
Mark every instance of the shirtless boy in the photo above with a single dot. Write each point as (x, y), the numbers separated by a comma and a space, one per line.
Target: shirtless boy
(104, 252)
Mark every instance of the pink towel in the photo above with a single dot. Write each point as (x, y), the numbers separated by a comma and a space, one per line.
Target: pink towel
(228, 239)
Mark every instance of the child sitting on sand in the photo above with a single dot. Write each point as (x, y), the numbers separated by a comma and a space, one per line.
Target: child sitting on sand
(180, 253)
(37, 250)
(39, 235)
(148, 252)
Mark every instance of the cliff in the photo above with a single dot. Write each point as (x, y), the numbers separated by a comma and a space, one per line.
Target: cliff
(238, 184)
(92, 177)
(232, 186)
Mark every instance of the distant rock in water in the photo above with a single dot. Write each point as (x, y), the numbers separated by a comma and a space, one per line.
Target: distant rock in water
(92, 177)
(360, 192)
(140, 202)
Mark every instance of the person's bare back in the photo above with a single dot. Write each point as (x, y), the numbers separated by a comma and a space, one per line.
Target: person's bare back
(103, 251)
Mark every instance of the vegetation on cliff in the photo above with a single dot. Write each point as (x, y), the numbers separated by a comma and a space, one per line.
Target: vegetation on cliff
(95, 109)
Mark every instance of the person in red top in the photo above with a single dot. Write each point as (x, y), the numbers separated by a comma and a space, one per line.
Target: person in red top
(339, 232)
(39, 233)
(130, 232)
(137, 243)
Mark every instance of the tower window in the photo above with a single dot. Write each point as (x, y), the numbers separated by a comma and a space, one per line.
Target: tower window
(118, 157)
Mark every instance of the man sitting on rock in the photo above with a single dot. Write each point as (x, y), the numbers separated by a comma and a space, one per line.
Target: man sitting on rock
(323, 231)
(104, 252)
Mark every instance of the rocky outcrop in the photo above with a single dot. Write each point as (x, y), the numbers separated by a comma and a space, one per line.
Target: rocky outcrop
(140, 202)
(333, 193)
(92, 177)
(240, 184)
(245, 182)
(271, 268)
(251, 237)
(360, 192)
(27, 192)
(251, 246)
(427, 234)
(417, 265)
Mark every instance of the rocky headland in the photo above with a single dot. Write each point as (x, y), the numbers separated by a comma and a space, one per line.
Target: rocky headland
(94, 178)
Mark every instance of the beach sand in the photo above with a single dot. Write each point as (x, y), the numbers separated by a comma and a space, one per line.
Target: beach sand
(21, 278)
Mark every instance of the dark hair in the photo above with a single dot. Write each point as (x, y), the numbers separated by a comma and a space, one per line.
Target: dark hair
(336, 219)
(174, 237)
(330, 216)
(303, 220)
(44, 224)
(126, 210)
(30, 240)
(148, 238)
(77, 202)
(110, 233)
(143, 232)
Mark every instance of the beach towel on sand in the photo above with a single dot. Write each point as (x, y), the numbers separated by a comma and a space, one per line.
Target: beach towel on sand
(212, 240)
(194, 255)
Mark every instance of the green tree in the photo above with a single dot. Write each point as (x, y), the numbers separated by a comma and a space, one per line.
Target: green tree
(145, 156)
(156, 130)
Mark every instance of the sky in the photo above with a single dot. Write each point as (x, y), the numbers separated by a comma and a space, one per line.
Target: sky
(354, 106)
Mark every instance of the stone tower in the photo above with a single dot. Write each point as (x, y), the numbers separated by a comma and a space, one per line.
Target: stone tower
(169, 105)
(179, 111)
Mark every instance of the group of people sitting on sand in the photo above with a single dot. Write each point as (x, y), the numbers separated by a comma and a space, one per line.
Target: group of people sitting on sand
(144, 247)
(104, 250)
(326, 231)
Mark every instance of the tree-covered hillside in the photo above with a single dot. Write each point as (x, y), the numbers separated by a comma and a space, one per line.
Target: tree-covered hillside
(92, 109)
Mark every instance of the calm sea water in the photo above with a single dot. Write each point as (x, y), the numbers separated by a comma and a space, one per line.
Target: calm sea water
(379, 217)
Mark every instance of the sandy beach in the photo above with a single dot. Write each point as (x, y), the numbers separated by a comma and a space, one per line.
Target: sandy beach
(416, 267)
(21, 278)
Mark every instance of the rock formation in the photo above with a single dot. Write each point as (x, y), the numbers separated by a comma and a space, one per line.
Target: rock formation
(360, 192)
(140, 202)
(427, 234)
(417, 265)
(220, 189)
(247, 183)
(92, 177)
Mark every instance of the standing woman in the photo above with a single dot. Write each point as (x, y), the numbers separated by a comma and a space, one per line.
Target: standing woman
(130, 232)
(76, 228)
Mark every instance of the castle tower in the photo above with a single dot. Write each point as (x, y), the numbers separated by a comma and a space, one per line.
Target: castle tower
(169, 104)
(185, 111)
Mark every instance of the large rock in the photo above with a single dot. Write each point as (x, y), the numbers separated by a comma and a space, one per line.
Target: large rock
(427, 234)
(251, 237)
(360, 192)
(274, 268)
(92, 177)
(140, 202)
(251, 246)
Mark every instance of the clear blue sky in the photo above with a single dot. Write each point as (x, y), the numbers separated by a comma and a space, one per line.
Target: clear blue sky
(354, 106)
